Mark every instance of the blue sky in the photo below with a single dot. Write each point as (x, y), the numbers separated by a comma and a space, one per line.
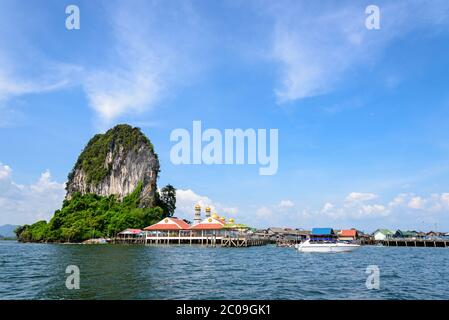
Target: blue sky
(362, 114)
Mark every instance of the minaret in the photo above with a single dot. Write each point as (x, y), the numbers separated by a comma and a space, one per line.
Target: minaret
(197, 218)
(207, 212)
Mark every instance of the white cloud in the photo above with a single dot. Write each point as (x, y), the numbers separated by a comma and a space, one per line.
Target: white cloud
(114, 93)
(5, 171)
(264, 213)
(445, 199)
(358, 212)
(423, 208)
(44, 184)
(187, 199)
(398, 200)
(357, 209)
(327, 207)
(438, 202)
(434, 203)
(354, 206)
(360, 196)
(375, 210)
(24, 204)
(416, 203)
(286, 204)
(285, 213)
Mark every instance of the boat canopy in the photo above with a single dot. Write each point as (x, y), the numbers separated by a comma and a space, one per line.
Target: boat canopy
(322, 232)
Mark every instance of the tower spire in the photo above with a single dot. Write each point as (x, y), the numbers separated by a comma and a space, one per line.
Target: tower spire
(197, 218)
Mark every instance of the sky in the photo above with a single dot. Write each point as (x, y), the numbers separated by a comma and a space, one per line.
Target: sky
(362, 114)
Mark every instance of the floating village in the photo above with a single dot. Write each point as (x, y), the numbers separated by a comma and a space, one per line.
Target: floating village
(214, 230)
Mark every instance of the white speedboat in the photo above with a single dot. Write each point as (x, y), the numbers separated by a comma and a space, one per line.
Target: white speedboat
(324, 246)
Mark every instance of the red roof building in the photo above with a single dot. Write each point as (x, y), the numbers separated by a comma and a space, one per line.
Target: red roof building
(348, 234)
(209, 224)
(131, 231)
(130, 234)
(169, 224)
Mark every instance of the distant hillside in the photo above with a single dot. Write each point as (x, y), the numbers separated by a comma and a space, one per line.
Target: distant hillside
(7, 231)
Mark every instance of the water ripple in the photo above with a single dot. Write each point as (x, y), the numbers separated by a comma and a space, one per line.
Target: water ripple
(37, 271)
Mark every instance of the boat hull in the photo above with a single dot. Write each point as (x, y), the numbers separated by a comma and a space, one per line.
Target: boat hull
(327, 247)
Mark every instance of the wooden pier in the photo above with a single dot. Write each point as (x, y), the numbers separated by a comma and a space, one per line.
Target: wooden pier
(427, 243)
(210, 241)
(243, 242)
(121, 240)
(287, 242)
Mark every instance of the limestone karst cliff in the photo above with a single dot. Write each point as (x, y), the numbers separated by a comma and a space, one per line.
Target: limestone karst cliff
(114, 163)
(111, 187)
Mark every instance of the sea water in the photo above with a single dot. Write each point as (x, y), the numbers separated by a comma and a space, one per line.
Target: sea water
(38, 271)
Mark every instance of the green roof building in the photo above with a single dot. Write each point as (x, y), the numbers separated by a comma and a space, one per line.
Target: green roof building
(383, 234)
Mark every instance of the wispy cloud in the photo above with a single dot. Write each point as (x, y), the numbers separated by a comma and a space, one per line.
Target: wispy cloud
(360, 196)
(155, 47)
(286, 204)
(316, 45)
(152, 53)
(46, 77)
(24, 67)
(356, 205)
(52, 76)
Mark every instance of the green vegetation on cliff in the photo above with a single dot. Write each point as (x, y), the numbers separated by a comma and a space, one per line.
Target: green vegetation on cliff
(96, 214)
(92, 216)
(92, 159)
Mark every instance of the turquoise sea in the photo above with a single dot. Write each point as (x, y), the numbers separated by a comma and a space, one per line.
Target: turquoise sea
(37, 271)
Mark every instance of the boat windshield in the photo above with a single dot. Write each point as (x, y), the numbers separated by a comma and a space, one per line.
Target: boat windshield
(323, 240)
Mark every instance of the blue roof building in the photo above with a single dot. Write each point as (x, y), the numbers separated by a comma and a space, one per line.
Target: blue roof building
(322, 232)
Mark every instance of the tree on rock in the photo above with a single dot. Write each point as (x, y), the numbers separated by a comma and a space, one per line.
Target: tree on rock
(167, 200)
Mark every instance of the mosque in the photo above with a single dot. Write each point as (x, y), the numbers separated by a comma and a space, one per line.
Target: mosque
(210, 230)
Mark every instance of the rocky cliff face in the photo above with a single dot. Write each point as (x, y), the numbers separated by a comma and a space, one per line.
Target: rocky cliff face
(115, 163)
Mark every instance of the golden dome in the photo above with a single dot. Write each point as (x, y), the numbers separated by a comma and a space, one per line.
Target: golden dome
(222, 218)
(231, 220)
(207, 209)
(197, 207)
(215, 216)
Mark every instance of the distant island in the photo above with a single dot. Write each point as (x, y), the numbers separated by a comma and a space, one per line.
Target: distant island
(7, 232)
(112, 186)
